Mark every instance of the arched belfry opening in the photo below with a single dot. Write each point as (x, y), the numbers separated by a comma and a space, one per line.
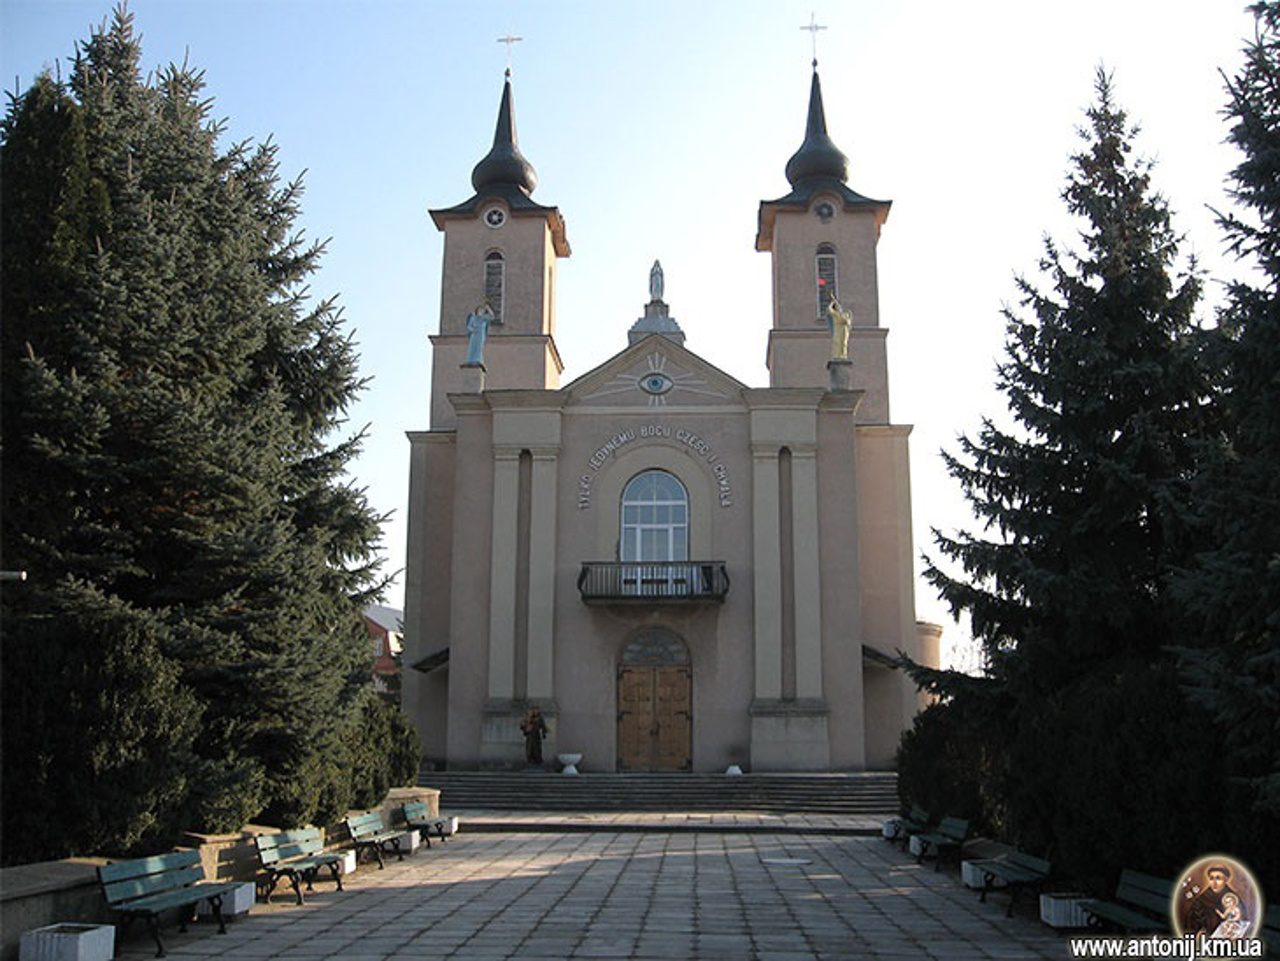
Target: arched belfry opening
(655, 704)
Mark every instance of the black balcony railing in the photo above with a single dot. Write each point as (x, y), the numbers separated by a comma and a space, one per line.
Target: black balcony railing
(653, 581)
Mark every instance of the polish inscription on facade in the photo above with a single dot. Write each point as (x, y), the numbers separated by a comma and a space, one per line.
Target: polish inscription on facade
(678, 437)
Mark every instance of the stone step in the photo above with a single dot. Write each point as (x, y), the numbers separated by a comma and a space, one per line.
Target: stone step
(875, 793)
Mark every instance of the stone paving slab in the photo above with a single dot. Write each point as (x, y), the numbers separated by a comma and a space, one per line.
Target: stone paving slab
(609, 893)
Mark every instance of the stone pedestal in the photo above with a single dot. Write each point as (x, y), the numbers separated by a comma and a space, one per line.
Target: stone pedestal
(1063, 910)
(841, 373)
(473, 378)
(239, 900)
(70, 942)
(789, 736)
(502, 742)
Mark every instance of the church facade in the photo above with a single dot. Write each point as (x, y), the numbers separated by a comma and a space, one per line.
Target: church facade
(682, 572)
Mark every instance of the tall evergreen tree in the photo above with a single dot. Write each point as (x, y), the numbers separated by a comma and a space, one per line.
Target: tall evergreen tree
(1232, 592)
(1086, 503)
(197, 562)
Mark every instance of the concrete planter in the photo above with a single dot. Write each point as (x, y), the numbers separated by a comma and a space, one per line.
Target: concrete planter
(973, 877)
(1063, 910)
(410, 841)
(237, 901)
(348, 864)
(70, 942)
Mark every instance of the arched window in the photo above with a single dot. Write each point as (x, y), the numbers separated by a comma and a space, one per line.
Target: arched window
(655, 518)
(828, 278)
(494, 283)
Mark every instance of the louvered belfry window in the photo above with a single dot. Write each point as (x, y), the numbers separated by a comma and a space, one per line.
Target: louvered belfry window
(495, 283)
(827, 278)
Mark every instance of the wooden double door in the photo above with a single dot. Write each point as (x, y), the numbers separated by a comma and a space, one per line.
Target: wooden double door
(655, 709)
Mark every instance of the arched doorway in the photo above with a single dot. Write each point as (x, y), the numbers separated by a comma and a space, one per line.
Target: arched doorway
(655, 704)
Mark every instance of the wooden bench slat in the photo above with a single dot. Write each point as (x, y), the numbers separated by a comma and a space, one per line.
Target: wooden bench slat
(137, 887)
(140, 867)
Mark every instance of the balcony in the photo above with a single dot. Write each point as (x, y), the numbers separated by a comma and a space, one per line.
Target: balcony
(653, 582)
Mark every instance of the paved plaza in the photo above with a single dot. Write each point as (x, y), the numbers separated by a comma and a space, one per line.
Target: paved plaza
(763, 887)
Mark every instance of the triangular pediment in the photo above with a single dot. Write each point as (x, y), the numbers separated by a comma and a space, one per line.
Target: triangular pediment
(655, 372)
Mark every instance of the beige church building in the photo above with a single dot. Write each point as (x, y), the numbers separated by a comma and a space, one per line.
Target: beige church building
(682, 571)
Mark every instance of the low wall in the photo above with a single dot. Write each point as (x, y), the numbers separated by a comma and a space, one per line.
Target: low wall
(34, 895)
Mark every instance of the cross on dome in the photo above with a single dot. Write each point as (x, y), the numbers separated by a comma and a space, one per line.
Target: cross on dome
(510, 40)
(813, 27)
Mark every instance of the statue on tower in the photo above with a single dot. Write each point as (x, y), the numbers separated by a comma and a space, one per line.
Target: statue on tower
(655, 283)
(477, 331)
(839, 319)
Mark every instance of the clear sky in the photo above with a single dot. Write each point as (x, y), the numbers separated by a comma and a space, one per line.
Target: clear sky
(657, 128)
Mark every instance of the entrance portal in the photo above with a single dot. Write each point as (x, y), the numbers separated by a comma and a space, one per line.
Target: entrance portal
(655, 705)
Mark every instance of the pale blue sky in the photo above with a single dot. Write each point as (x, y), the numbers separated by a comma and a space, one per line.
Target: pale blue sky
(657, 128)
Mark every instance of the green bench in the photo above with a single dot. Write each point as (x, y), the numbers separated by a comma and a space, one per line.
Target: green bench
(1141, 903)
(370, 833)
(916, 822)
(418, 817)
(950, 836)
(1019, 872)
(146, 887)
(298, 856)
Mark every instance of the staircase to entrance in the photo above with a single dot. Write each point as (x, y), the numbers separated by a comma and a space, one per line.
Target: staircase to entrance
(853, 794)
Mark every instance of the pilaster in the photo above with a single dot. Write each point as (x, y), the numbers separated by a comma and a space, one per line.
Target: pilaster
(542, 573)
(767, 571)
(807, 572)
(502, 591)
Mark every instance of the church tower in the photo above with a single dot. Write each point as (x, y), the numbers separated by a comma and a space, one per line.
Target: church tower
(500, 248)
(822, 236)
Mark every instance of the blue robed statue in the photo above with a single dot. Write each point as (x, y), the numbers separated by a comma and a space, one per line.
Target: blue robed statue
(478, 322)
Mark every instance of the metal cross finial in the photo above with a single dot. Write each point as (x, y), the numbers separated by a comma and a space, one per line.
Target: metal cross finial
(510, 40)
(813, 27)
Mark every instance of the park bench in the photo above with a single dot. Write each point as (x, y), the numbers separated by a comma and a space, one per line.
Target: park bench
(950, 836)
(1018, 870)
(1141, 903)
(146, 887)
(298, 856)
(370, 833)
(417, 817)
(916, 822)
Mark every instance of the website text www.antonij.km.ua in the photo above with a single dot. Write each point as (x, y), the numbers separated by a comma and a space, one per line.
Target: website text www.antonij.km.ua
(1188, 946)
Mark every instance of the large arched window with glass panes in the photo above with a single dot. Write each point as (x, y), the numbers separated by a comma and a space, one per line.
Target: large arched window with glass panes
(828, 279)
(495, 277)
(655, 518)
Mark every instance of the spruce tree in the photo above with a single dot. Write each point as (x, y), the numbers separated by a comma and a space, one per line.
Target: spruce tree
(1232, 592)
(174, 474)
(1085, 497)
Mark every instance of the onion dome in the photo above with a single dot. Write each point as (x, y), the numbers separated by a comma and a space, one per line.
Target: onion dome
(818, 157)
(504, 163)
